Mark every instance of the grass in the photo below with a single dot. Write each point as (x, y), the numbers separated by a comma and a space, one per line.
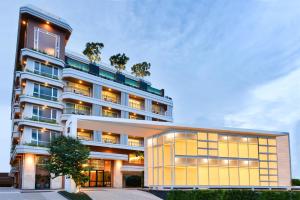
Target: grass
(75, 196)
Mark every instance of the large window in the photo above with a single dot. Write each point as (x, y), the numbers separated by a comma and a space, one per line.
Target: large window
(79, 109)
(43, 137)
(44, 114)
(45, 92)
(181, 158)
(45, 70)
(46, 42)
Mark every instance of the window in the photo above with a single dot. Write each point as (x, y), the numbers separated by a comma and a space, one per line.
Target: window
(45, 92)
(46, 42)
(43, 137)
(45, 70)
(44, 114)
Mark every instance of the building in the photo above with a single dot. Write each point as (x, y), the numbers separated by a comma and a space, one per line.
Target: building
(50, 85)
(119, 117)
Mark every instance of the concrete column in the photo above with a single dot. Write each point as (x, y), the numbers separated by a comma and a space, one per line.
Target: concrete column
(56, 183)
(96, 110)
(124, 139)
(124, 114)
(70, 185)
(97, 90)
(124, 98)
(97, 136)
(148, 105)
(117, 179)
(169, 110)
(148, 118)
(71, 127)
(145, 162)
(28, 172)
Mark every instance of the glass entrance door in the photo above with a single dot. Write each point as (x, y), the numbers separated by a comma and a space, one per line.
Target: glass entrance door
(99, 178)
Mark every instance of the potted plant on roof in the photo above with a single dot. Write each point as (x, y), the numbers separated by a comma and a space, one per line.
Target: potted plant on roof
(141, 70)
(93, 52)
(119, 62)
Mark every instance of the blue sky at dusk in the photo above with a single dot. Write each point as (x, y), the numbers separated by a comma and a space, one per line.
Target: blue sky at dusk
(224, 63)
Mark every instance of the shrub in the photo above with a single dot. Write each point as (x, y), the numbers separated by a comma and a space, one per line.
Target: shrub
(295, 182)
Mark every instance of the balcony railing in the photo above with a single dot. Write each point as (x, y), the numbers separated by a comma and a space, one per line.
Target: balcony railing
(110, 140)
(43, 74)
(159, 112)
(84, 92)
(111, 99)
(41, 119)
(137, 105)
(110, 114)
(77, 111)
(44, 96)
(136, 143)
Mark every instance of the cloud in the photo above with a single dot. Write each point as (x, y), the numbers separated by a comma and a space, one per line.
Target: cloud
(273, 106)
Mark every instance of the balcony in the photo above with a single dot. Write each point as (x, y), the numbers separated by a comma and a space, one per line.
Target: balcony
(111, 99)
(158, 108)
(41, 119)
(135, 142)
(111, 95)
(43, 74)
(77, 111)
(111, 138)
(44, 96)
(136, 102)
(109, 112)
(77, 90)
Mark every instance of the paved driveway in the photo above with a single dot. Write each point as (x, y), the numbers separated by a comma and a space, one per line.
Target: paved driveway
(14, 194)
(120, 194)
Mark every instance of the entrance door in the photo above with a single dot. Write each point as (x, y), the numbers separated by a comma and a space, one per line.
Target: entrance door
(100, 178)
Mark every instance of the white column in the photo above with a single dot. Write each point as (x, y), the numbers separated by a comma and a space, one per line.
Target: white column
(70, 185)
(145, 162)
(28, 172)
(71, 127)
(56, 183)
(117, 179)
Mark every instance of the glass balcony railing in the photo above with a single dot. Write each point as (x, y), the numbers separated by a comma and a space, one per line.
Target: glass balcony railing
(43, 74)
(81, 91)
(110, 114)
(41, 119)
(136, 143)
(136, 105)
(111, 99)
(77, 111)
(44, 96)
(111, 140)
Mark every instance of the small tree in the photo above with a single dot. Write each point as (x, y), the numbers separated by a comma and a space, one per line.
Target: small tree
(119, 61)
(67, 158)
(141, 69)
(93, 51)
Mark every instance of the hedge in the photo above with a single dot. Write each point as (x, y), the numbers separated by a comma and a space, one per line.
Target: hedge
(296, 182)
(232, 195)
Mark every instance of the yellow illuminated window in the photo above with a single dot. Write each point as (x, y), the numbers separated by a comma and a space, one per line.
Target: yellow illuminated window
(223, 149)
(167, 175)
(155, 158)
(213, 175)
(155, 177)
(169, 138)
(254, 177)
(150, 176)
(272, 157)
(253, 151)
(203, 175)
(192, 175)
(262, 141)
(168, 155)
(272, 142)
(160, 176)
(202, 144)
(244, 176)
(180, 147)
(252, 140)
(263, 157)
(263, 164)
(202, 136)
(273, 171)
(243, 150)
(213, 152)
(272, 164)
(202, 152)
(213, 145)
(180, 161)
(273, 178)
(253, 164)
(234, 176)
(273, 184)
(212, 136)
(233, 149)
(192, 147)
(264, 178)
(150, 157)
(272, 149)
(180, 175)
(160, 156)
(264, 183)
(224, 175)
(263, 149)
(149, 142)
(263, 171)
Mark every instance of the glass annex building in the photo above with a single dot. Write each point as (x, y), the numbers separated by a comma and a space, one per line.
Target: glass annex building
(188, 159)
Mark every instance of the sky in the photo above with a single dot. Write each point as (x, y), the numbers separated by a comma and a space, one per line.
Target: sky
(224, 63)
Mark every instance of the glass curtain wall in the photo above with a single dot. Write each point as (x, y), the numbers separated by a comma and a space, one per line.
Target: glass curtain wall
(211, 159)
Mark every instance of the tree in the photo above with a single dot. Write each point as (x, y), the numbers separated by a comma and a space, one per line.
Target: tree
(141, 69)
(119, 61)
(68, 158)
(93, 51)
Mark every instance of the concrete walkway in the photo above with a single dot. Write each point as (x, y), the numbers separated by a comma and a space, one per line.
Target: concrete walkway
(119, 194)
(14, 194)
